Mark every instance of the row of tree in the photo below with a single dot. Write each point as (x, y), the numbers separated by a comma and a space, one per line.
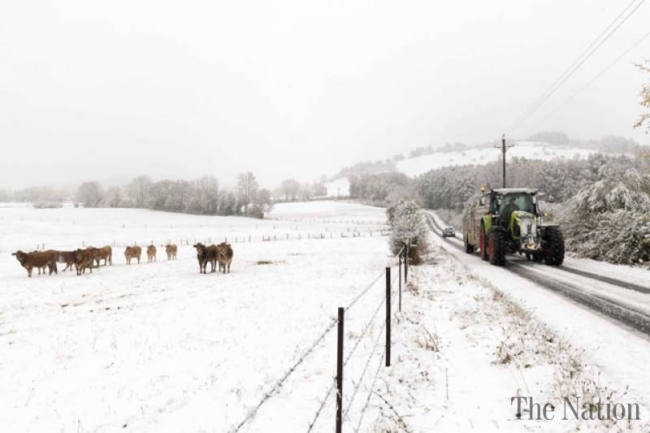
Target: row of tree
(292, 190)
(201, 196)
(381, 188)
(452, 187)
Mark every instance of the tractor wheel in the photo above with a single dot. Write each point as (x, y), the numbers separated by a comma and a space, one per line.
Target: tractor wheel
(469, 249)
(553, 246)
(483, 245)
(497, 247)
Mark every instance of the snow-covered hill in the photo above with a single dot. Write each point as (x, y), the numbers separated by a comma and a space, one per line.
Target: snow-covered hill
(483, 155)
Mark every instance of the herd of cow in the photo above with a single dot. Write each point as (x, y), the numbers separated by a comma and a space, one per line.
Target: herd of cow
(89, 258)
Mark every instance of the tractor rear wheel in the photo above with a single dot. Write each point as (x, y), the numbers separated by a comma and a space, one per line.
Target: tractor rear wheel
(483, 244)
(497, 247)
(553, 246)
(469, 249)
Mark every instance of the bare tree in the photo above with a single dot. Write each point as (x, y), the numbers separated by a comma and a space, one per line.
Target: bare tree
(138, 191)
(290, 189)
(90, 194)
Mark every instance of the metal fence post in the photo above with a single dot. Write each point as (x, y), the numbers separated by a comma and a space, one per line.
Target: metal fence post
(387, 316)
(339, 374)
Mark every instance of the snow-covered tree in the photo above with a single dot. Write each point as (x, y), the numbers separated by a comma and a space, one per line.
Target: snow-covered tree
(644, 119)
(407, 226)
(290, 189)
(138, 191)
(247, 190)
(90, 194)
(608, 219)
(112, 198)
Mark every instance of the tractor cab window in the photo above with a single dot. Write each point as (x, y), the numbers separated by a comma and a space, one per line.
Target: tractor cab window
(513, 202)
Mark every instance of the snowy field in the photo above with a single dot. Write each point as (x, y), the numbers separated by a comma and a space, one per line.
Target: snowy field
(160, 347)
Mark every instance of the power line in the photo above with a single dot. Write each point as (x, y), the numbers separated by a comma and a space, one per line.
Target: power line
(580, 60)
(602, 71)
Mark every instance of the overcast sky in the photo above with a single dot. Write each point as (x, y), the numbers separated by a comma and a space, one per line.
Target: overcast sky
(107, 90)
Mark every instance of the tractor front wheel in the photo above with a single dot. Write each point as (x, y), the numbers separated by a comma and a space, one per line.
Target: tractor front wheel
(553, 246)
(497, 247)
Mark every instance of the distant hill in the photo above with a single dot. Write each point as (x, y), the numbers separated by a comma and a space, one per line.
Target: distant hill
(483, 155)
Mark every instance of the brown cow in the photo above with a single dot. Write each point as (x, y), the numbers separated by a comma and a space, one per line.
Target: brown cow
(205, 255)
(132, 253)
(105, 254)
(151, 253)
(224, 255)
(66, 257)
(37, 259)
(171, 250)
(85, 259)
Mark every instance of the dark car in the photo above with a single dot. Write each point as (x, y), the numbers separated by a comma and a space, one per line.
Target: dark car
(448, 232)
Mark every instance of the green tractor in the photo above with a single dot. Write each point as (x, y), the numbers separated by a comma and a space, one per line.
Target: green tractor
(508, 221)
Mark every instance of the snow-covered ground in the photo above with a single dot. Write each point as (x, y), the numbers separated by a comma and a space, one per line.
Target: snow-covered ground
(464, 349)
(26, 228)
(483, 155)
(160, 347)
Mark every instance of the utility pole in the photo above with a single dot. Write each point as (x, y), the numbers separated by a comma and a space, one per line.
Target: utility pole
(504, 149)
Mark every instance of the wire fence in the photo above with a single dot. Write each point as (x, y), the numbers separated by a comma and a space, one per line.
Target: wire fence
(359, 382)
(311, 348)
(228, 239)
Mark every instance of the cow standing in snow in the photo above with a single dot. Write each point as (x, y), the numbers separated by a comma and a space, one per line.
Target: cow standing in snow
(151, 253)
(171, 250)
(224, 256)
(37, 259)
(132, 253)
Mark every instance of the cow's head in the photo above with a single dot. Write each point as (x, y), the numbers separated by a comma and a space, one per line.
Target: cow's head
(78, 255)
(20, 256)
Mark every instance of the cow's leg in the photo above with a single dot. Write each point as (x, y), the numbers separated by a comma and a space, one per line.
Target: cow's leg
(29, 271)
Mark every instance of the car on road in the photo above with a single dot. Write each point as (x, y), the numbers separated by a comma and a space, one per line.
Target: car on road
(448, 232)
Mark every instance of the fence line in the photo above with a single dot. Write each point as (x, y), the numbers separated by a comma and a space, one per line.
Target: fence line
(372, 386)
(251, 414)
(369, 359)
(331, 388)
(279, 383)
